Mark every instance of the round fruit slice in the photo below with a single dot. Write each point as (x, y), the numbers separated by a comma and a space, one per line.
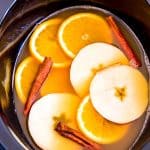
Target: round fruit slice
(97, 128)
(81, 29)
(24, 77)
(89, 60)
(119, 93)
(57, 81)
(43, 42)
(46, 113)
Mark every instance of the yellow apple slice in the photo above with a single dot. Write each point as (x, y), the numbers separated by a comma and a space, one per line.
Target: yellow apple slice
(119, 93)
(91, 59)
(46, 113)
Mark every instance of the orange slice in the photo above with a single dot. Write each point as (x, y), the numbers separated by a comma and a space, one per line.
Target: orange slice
(25, 74)
(43, 42)
(82, 29)
(95, 127)
(58, 81)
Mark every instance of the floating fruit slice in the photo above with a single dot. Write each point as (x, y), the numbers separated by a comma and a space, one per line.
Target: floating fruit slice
(81, 29)
(97, 128)
(119, 93)
(46, 113)
(57, 81)
(24, 77)
(89, 60)
(43, 42)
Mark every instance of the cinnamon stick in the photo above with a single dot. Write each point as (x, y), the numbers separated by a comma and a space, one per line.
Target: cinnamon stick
(76, 136)
(41, 76)
(134, 61)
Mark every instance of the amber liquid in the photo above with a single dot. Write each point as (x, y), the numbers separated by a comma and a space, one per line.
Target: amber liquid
(135, 126)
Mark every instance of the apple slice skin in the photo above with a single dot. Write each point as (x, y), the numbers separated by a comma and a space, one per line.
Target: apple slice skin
(108, 104)
(90, 59)
(42, 119)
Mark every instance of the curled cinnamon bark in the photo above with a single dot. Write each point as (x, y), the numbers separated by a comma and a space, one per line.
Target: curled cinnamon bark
(41, 76)
(134, 61)
(76, 136)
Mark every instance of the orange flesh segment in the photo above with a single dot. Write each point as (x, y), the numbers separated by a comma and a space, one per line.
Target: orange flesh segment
(24, 77)
(100, 129)
(46, 43)
(57, 81)
(85, 29)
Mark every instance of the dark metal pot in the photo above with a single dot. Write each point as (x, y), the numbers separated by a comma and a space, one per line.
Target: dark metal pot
(16, 25)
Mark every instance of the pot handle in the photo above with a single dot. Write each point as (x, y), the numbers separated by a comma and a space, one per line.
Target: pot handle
(7, 140)
(146, 147)
(148, 1)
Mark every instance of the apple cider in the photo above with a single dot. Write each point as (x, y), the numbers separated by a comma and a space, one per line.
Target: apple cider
(81, 69)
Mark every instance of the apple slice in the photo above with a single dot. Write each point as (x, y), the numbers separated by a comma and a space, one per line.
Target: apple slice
(119, 93)
(91, 59)
(46, 113)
